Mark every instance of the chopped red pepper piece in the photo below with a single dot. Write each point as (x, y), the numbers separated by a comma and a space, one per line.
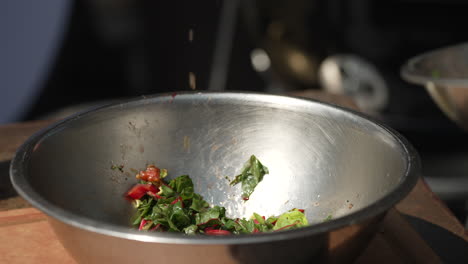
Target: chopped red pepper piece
(301, 210)
(139, 190)
(216, 232)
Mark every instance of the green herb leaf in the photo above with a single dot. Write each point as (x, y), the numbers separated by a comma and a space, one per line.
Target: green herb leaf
(251, 175)
(159, 214)
(177, 216)
(166, 191)
(291, 219)
(183, 185)
(262, 228)
(247, 226)
(191, 229)
(259, 218)
(198, 204)
(166, 200)
(229, 224)
(271, 220)
(143, 209)
(210, 214)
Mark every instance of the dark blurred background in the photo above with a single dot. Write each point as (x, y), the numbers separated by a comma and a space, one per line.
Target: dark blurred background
(60, 56)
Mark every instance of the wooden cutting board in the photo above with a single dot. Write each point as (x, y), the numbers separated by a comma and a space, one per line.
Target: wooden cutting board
(26, 237)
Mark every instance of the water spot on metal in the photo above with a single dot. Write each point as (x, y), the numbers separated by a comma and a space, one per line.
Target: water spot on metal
(215, 147)
(124, 149)
(187, 144)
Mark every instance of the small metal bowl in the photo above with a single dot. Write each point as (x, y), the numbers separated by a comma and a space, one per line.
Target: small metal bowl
(444, 73)
(322, 158)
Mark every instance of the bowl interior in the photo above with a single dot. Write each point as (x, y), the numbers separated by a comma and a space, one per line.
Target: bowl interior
(321, 158)
(447, 66)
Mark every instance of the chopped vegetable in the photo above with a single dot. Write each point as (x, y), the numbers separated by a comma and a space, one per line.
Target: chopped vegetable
(217, 232)
(119, 167)
(293, 218)
(251, 175)
(139, 190)
(152, 174)
(175, 207)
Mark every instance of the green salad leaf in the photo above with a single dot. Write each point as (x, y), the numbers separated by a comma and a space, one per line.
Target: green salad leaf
(178, 217)
(198, 204)
(166, 191)
(246, 226)
(210, 214)
(183, 185)
(291, 219)
(191, 230)
(251, 175)
(259, 218)
(142, 210)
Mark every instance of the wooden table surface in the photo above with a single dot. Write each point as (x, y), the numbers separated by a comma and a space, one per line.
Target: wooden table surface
(421, 202)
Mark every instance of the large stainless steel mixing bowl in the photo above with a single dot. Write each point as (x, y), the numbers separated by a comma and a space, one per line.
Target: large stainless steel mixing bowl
(322, 158)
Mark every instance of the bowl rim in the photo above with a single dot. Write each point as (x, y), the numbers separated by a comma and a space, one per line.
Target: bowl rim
(18, 172)
(408, 71)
